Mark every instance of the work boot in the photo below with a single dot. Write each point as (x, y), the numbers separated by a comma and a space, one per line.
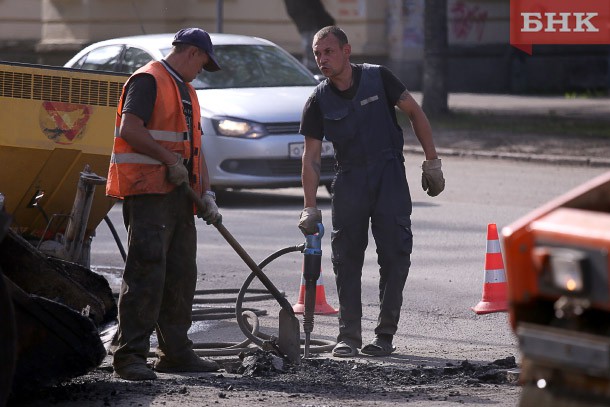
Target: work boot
(191, 363)
(381, 346)
(135, 371)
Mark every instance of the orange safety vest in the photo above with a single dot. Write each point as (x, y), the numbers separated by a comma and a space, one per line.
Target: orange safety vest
(132, 173)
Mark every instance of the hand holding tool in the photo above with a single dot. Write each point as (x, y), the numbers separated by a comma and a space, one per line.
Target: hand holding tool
(177, 173)
(210, 214)
(310, 218)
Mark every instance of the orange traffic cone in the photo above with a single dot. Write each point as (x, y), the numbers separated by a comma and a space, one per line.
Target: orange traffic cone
(321, 307)
(495, 287)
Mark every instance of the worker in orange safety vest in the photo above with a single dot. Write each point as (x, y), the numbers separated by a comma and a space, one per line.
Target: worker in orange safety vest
(157, 149)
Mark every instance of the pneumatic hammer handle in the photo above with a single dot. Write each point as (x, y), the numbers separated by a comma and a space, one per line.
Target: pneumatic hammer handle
(312, 263)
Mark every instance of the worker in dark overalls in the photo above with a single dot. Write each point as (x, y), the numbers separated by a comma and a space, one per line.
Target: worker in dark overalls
(354, 109)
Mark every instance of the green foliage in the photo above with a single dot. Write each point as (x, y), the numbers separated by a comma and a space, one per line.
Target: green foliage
(588, 94)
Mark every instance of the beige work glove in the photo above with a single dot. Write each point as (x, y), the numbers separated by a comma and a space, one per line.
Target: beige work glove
(432, 180)
(177, 173)
(308, 223)
(210, 214)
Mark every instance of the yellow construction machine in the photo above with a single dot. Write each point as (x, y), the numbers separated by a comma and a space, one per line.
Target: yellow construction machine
(55, 145)
(57, 123)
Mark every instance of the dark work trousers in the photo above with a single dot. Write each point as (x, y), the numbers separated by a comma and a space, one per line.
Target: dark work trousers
(379, 193)
(159, 278)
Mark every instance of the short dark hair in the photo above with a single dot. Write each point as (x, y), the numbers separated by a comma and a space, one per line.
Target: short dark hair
(179, 47)
(334, 30)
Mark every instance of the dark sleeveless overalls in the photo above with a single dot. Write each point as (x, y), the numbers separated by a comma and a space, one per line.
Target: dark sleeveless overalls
(370, 184)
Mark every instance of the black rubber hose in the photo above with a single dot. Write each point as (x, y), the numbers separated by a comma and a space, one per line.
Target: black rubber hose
(216, 313)
(322, 345)
(251, 331)
(227, 348)
(242, 315)
(259, 338)
(242, 292)
(281, 252)
(117, 239)
(199, 299)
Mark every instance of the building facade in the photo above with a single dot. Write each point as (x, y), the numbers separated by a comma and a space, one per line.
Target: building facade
(381, 31)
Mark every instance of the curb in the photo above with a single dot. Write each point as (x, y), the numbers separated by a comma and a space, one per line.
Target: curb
(534, 158)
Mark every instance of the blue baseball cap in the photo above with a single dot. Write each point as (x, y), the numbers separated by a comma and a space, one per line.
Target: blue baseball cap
(200, 39)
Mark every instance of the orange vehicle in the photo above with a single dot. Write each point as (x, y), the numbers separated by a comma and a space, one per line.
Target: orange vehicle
(558, 275)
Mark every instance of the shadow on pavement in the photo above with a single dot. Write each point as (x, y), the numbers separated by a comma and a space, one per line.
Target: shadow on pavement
(265, 198)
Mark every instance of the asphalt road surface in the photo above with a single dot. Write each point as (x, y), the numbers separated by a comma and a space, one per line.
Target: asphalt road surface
(438, 331)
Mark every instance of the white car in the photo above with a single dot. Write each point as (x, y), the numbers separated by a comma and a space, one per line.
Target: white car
(250, 110)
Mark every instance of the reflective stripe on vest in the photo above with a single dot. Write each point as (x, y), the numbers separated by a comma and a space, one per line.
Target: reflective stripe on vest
(161, 135)
(132, 158)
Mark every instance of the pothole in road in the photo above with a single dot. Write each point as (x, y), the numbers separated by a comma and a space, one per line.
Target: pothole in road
(353, 379)
(355, 376)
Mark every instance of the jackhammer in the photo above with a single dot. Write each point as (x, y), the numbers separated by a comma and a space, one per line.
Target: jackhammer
(311, 273)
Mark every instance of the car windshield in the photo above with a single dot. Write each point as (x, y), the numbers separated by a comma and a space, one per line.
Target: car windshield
(246, 66)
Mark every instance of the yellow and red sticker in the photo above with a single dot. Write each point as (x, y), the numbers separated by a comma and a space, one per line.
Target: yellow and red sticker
(62, 122)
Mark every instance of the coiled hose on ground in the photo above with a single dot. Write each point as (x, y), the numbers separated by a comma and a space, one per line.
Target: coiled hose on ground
(320, 346)
(251, 330)
(247, 318)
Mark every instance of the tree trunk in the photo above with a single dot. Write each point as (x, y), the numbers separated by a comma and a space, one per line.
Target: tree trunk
(309, 16)
(435, 58)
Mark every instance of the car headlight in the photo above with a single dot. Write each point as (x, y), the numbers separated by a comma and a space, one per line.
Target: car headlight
(568, 270)
(239, 128)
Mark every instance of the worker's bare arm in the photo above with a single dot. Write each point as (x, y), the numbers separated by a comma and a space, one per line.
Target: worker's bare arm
(419, 122)
(312, 164)
(134, 132)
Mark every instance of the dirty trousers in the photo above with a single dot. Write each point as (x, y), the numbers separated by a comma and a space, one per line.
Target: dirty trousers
(159, 278)
(378, 193)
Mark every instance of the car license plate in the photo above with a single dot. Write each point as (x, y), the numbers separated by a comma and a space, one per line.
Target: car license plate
(295, 150)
